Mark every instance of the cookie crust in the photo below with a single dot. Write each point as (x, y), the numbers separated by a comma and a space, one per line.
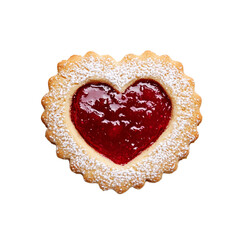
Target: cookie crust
(161, 157)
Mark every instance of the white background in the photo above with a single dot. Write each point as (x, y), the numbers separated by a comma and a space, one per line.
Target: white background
(41, 198)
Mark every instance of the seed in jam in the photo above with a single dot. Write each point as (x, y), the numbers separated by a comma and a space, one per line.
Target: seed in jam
(121, 125)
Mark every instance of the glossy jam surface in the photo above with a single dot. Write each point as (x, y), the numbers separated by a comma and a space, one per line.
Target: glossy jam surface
(121, 125)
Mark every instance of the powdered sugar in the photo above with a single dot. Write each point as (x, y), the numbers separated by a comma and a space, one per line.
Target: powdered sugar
(164, 155)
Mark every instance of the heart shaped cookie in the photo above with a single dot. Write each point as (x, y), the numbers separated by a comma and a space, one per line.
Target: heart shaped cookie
(121, 123)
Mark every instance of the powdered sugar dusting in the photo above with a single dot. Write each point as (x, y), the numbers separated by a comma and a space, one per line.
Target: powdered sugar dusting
(165, 155)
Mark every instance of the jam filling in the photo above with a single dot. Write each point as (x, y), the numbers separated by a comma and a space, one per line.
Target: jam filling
(121, 125)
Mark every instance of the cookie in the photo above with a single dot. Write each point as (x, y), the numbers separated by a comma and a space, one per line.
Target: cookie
(121, 124)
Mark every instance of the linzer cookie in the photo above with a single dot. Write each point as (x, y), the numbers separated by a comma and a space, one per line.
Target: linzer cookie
(121, 123)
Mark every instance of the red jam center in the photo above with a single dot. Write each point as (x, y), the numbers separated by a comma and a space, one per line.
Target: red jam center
(121, 125)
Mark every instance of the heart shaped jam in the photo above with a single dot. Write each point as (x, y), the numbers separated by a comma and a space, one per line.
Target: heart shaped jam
(121, 125)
